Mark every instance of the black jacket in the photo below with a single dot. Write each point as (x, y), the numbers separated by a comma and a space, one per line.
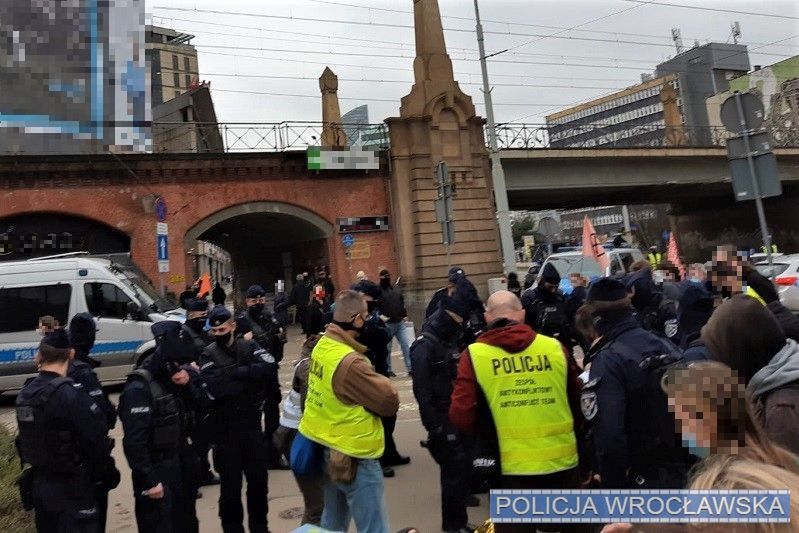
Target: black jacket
(218, 295)
(82, 372)
(300, 295)
(314, 318)
(280, 308)
(393, 304)
(375, 337)
(634, 433)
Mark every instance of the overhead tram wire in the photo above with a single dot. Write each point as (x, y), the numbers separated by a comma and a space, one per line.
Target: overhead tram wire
(717, 9)
(511, 23)
(407, 26)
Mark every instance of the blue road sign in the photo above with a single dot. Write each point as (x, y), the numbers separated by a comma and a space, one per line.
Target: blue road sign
(163, 248)
(160, 209)
(347, 240)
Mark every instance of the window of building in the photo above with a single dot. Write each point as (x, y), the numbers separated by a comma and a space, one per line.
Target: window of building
(175, 62)
(176, 79)
(188, 80)
(106, 300)
(187, 64)
(21, 307)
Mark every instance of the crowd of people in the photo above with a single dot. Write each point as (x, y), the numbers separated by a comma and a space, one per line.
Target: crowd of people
(642, 380)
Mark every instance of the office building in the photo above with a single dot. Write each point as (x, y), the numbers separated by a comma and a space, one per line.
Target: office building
(187, 123)
(173, 63)
(354, 121)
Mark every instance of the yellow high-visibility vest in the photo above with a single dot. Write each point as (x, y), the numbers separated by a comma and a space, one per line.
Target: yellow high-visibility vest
(350, 429)
(527, 395)
(774, 249)
(654, 259)
(753, 294)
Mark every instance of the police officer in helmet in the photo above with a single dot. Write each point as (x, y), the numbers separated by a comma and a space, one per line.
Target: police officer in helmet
(156, 410)
(194, 327)
(434, 359)
(240, 375)
(62, 443)
(633, 432)
(82, 333)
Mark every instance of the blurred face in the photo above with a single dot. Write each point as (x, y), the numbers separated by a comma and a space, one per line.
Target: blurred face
(255, 301)
(576, 280)
(223, 329)
(694, 421)
(197, 315)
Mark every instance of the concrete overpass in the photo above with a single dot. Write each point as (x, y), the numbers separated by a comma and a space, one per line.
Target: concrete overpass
(548, 178)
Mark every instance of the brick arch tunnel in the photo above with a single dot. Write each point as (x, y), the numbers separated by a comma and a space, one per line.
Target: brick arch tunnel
(267, 241)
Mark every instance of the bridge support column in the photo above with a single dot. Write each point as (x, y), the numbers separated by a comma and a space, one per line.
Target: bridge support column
(438, 122)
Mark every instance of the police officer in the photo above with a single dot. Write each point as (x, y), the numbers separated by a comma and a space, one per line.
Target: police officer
(434, 359)
(62, 443)
(375, 336)
(82, 333)
(259, 325)
(475, 322)
(546, 308)
(155, 409)
(240, 374)
(194, 327)
(654, 311)
(633, 432)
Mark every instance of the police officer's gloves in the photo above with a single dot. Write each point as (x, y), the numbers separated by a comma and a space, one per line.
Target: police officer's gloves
(762, 286)
(111, 476)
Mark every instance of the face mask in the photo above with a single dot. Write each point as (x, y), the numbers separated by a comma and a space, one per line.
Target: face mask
(690, 442)
(385, 283)
(350, 326)
(197, 324)
(371, 307)
(256, 310)
(696, 280)
(223, 340)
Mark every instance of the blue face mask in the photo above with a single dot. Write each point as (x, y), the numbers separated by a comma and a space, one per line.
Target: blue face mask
(696, 280)
(689, 441)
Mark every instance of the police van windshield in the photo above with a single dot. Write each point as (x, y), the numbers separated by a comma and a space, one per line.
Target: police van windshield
(566, 265)
(138, 282)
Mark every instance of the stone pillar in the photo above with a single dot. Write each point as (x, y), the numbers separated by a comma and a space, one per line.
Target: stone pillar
(437, 122)
(332, 133)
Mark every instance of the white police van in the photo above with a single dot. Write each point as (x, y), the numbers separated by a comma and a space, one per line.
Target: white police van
(114, 291)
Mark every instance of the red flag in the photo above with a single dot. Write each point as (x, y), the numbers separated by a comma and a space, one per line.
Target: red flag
(592, 248)
(673, 255)
(205, 285)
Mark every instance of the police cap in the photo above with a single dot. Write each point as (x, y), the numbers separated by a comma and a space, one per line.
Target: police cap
(255, 291)
(455, 273)
(196, 304)
(57, 339)
(219, 315)
(606, 290)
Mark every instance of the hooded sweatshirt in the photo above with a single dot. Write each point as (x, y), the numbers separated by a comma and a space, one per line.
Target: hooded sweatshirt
(513, 338)
(774, 394)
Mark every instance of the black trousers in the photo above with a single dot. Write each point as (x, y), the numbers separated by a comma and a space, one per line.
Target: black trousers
(271, 423)
(456, 469)
(390, 447)
(241, 451)
(202, 443)
(176, 511)
(62, 506)
(568, 479)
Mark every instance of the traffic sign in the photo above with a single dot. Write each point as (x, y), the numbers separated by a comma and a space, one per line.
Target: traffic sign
(160, 209)
(163, 248)
(753, 113)
(768, 179)
(163, 267)
(161, 228)
(759, 144)
(347, 240)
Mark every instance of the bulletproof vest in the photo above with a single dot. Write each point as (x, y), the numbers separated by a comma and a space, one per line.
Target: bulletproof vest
(260, 334)
(222, 358)
(199, 342)
(46, 442)
(552, 318)
(165, 415)
(445, 356)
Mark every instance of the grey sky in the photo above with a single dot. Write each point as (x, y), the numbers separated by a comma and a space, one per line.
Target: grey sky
(549, 87)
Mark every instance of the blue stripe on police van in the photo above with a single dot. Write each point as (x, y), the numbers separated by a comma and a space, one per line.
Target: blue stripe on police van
(25, 352)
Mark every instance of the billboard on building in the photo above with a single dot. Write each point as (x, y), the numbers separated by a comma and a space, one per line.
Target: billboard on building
(74, 77)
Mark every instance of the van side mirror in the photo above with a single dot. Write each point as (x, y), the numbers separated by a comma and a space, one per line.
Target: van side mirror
(134, 311)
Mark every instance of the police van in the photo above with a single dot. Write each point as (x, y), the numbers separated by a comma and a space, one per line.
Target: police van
(111, 288)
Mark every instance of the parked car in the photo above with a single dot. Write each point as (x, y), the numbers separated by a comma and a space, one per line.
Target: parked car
(785, 273)
(574, 261)
(118, 295)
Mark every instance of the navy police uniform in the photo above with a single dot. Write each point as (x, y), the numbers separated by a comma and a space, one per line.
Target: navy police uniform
(195, 329)
(240, 376)
(157, 418)
(82, 334)
(655, 312)
(63, 446)
(434, 359)
(547, 311)
(632, 431)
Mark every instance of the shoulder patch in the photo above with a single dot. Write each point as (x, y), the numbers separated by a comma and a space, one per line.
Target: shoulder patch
(209, 364)
(139, 410)
(588, 404)
(77, 385)
(95, 392)
(670, 327)
(265, 356)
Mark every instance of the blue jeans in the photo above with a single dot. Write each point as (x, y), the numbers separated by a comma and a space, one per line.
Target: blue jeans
(404, 333)
(362, 500)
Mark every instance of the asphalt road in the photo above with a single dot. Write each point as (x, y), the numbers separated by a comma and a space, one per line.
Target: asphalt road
(412, 496)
